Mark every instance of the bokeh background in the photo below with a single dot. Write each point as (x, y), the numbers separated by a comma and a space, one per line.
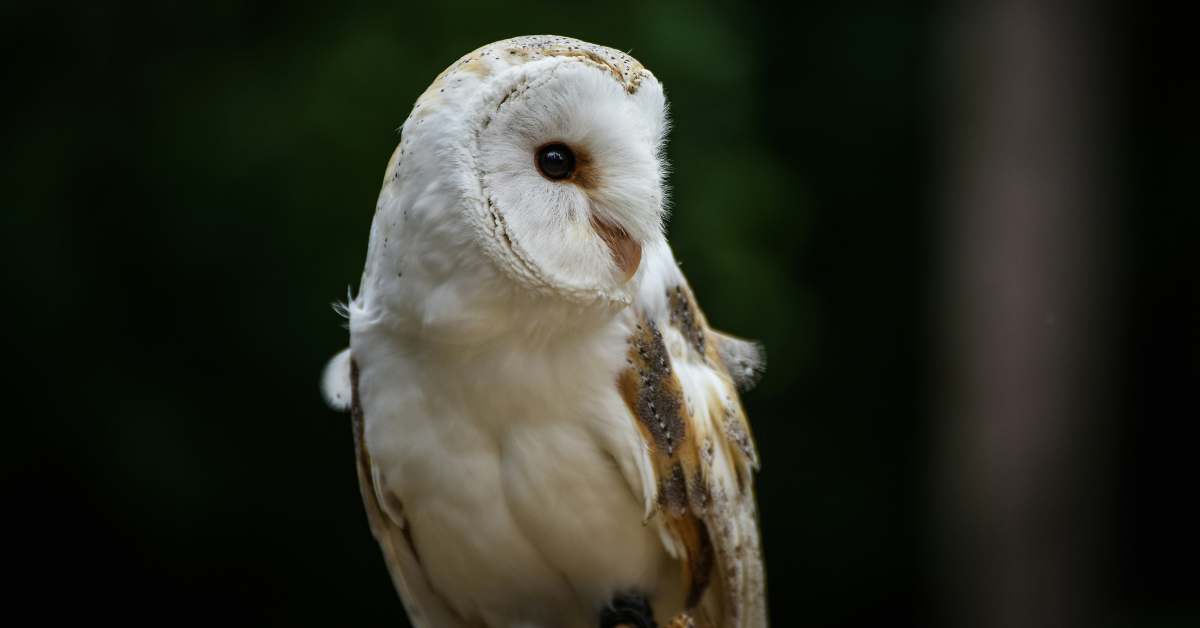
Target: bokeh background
(187, 186)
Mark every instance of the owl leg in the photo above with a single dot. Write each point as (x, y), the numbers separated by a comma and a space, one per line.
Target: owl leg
(682, 620)
(628, 611)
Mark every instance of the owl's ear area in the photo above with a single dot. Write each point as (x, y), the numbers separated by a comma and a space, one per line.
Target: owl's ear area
(626, 251)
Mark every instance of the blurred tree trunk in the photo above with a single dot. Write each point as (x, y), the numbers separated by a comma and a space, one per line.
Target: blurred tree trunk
(1023, 282)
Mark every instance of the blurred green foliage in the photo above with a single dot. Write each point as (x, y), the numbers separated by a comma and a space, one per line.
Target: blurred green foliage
(189, 185)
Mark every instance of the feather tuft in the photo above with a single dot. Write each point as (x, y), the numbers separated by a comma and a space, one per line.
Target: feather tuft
(745, 359)
(335, 383)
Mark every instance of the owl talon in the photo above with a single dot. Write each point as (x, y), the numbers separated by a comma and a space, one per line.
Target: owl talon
(682, 620)
(628, 611)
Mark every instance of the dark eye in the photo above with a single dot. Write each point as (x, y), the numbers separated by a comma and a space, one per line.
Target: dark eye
(556, 161)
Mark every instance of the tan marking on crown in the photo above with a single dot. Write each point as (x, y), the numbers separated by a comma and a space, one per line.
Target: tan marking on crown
(502, 55)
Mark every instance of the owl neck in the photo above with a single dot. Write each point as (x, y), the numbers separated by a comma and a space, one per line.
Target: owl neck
(533, 354)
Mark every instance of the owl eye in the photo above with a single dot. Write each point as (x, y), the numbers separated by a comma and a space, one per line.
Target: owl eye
(556, 161)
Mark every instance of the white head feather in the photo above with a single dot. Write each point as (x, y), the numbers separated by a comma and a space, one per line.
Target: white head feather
(465, 180)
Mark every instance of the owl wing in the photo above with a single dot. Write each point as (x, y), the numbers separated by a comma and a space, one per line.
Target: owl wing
(681, 387)
(426, 609)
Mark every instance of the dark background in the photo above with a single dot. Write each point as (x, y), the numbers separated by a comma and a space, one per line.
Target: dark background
(187, 186)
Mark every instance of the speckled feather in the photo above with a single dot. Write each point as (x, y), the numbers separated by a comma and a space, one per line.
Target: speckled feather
(702, 451)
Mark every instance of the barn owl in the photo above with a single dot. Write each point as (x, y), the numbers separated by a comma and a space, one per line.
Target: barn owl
(548, 432)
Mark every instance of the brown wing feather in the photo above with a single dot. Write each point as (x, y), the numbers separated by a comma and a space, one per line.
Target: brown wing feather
(426, 609)
(654, 394)
(702, 453)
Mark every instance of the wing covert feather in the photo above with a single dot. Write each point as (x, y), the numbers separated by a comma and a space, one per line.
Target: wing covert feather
(682, 393)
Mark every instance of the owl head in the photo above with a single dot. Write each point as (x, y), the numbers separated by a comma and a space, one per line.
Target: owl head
(548, 151)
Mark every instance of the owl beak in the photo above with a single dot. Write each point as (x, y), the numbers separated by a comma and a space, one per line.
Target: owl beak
(626, 252)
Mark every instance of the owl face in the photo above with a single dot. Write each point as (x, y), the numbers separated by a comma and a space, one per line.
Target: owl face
(559, 148)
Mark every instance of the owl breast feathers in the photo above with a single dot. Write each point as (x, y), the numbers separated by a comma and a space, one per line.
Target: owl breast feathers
(548, 431)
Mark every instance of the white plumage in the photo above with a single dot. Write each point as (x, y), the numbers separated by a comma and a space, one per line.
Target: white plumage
(545, 421)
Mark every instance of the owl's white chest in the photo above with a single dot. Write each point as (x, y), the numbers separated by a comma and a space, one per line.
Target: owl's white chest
(510, 471)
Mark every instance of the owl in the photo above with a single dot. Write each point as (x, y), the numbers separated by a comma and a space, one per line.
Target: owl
(548, 432)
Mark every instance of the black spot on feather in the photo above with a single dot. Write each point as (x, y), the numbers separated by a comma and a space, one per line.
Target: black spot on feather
(683, 317)
(659, 401)
(672, 492)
